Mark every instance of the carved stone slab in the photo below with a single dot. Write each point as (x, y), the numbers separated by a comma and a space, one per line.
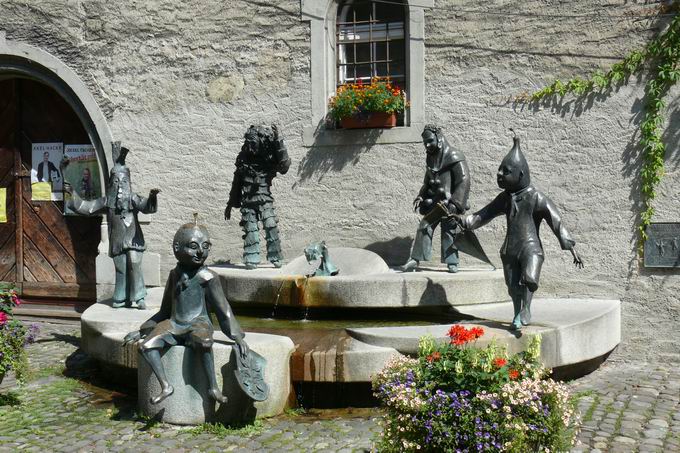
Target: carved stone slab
(662, 247)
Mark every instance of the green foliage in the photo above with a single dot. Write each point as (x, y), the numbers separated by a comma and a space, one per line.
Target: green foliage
(221, 430)
(378, 96)
(14, 336)
(660, 57)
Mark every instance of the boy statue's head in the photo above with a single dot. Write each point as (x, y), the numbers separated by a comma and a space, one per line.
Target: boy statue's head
(513, 173)
(191, 244)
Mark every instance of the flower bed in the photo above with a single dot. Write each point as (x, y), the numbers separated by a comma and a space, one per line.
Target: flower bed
(455, 397)
(14, 336)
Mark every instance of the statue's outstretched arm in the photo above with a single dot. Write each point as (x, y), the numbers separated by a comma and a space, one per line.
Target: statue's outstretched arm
(487, 213)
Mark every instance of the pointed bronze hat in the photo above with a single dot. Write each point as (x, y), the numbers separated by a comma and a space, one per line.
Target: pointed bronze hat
(515, 159)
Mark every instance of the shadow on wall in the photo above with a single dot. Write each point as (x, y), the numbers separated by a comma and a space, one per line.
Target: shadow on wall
(671, 137)
(329, 154)
(395, 252)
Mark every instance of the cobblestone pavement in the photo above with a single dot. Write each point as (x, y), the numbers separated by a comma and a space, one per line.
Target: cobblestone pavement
(624, 407)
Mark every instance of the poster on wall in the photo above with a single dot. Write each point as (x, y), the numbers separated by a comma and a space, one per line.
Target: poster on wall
(45, 172)
(3, 205)
(82, 172)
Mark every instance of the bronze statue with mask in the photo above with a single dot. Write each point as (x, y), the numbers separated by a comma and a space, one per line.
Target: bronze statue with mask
(126, 241)
(262, 156)
(525, 208)
(192, 290)
(446, 187)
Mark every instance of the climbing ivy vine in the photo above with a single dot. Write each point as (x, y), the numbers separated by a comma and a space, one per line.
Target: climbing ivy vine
(661, 57)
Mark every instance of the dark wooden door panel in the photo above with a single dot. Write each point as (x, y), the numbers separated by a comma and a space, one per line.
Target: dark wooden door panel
(47, 255)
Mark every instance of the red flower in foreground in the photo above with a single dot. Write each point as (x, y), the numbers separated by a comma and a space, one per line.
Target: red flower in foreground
(499, 362)
(460, 335)
(3, 317)
(514, 374)
(433, 357)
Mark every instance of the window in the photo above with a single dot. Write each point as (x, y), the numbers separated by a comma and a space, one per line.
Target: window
(354, 40)
(370, 42)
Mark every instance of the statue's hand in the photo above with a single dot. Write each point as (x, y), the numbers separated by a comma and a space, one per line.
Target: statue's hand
(132, 337)
(459, 219)
(243, 347)
(154, 192)
(68, 188)
(275, 130)
(578, 262)
(227, 212)
(416, 203)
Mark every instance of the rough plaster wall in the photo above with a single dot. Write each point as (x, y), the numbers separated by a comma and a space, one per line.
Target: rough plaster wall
(181, 81)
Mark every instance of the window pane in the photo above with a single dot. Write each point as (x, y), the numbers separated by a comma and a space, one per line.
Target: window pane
(345, 73)
(380, 51)
(362, 11)
(363, 53)
(364, 72)
(396, 30)
(397, 69)
(345, 53)
(387, 12)
(397, 50)
(381, 70)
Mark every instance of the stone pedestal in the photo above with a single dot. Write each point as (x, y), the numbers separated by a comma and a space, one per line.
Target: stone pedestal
(190, 404)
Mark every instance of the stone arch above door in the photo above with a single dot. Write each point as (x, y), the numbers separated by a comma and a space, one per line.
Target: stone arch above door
(18, 59)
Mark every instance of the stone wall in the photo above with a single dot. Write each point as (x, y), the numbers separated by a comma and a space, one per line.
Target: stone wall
(180, 82)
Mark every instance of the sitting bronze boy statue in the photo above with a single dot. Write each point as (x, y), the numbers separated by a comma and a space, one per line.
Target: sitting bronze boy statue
(191, 290)
(525, 207)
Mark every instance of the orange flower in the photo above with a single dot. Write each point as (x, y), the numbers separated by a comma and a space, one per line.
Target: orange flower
(514, 374)
(499, 362)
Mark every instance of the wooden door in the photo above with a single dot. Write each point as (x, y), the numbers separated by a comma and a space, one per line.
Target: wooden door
(54, 256)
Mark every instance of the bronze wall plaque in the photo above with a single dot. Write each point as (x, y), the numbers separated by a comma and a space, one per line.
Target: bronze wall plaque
(662, 247)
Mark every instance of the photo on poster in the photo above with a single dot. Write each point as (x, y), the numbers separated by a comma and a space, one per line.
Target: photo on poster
(45, 159)
(82, 172)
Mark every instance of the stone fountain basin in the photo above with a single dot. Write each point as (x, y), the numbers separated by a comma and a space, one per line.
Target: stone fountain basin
(268, 286)
(577, 335)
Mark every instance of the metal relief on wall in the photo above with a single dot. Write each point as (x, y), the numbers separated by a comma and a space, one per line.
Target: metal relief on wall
(662, 247)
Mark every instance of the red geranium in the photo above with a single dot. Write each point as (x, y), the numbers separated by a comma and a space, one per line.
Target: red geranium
(3, 317)
(514, 374)
(460, 335)
(499, 362)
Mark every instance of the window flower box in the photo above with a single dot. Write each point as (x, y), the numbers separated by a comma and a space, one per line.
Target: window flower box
(369, 120)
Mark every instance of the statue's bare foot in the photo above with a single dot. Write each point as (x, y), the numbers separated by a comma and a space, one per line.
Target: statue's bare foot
(167, 391)
(217, 396)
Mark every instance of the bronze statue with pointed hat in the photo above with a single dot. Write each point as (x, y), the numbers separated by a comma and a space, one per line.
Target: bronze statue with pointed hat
(525, 207)
(126, 241)
(191, 292)
(445, 190)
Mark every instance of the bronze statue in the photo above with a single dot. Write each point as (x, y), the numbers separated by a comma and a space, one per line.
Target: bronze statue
(446, 186)
(525, 208)
(126, 241)
(262, 156)
(190, 292)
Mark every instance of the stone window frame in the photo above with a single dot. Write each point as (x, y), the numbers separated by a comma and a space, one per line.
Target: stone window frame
(322, 16)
